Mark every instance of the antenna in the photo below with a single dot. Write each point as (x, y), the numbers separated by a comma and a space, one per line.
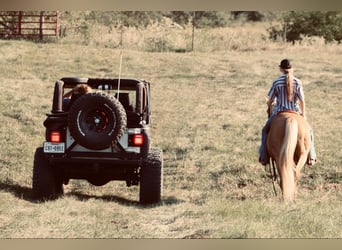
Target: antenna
(121, 54)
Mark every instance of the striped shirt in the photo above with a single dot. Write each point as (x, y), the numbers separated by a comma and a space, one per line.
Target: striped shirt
(278, 91)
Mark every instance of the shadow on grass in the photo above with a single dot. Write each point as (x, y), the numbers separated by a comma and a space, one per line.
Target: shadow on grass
(18, 191)
(123, 201)
(25, 193)
(107, 198)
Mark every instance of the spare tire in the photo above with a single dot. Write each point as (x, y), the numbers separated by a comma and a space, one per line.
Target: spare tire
(96, 120)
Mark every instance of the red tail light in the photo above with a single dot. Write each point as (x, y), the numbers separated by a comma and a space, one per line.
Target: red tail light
(138, 140)
(55, 136)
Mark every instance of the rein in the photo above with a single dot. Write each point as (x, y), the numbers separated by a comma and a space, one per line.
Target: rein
(272, 168)
(273, 175)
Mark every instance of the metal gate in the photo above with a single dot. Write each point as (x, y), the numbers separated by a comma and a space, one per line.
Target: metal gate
(29, 24)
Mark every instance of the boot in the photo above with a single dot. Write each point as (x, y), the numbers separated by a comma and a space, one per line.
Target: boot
(311, 161)
(264, 161)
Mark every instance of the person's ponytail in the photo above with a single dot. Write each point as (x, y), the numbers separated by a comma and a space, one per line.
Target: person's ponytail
(289, 84)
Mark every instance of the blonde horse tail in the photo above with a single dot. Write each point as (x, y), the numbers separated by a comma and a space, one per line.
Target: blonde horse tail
(287, 164)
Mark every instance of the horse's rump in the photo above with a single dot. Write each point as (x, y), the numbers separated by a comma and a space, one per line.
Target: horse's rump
(288, 143)
(276, 134)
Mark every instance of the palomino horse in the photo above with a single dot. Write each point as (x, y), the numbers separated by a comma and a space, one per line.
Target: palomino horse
(288, 145)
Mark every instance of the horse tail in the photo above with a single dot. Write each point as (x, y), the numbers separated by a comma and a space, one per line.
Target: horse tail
(287, 164)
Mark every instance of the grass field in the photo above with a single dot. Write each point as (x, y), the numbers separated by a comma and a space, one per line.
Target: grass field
(208, 112)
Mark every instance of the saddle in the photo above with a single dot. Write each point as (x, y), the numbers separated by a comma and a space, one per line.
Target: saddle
(288, 111)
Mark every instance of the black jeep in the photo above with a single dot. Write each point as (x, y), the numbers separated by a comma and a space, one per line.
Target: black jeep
(99, 136)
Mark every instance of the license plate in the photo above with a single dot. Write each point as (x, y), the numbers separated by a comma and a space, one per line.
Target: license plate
(50, 147)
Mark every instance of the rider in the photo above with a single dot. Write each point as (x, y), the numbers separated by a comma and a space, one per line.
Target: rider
(72, 95)
(288, 91)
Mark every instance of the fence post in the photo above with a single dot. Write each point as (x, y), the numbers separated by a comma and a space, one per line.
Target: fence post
(41, 21)
(193, 30)
(57, 24)
(20, 15)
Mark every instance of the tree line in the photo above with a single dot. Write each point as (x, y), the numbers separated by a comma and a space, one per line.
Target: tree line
(291, 26)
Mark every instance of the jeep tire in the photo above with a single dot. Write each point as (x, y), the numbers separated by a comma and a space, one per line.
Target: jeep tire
(96, 120)
(46, 184)
(151, 177)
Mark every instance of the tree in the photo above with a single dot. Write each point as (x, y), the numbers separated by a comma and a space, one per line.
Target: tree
(254, 16)
(296, 24)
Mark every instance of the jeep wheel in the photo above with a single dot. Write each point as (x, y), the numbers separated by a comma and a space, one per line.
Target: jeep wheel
(96, 120)
(45, 182)
(151, 177)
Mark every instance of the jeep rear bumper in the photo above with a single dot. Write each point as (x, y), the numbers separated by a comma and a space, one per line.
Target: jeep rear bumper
(97, 171)
(99, 161)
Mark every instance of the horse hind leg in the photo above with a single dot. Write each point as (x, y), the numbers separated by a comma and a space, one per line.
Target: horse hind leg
(301, 162)
(296, 170)
(304, 149)
(288, 184)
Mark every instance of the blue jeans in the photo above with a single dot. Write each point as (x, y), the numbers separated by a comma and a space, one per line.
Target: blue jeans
(262, 151)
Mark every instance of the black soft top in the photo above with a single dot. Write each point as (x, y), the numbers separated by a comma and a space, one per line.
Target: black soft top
(95, 83)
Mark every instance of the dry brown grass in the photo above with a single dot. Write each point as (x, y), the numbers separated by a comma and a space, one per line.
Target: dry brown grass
(208, 111)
